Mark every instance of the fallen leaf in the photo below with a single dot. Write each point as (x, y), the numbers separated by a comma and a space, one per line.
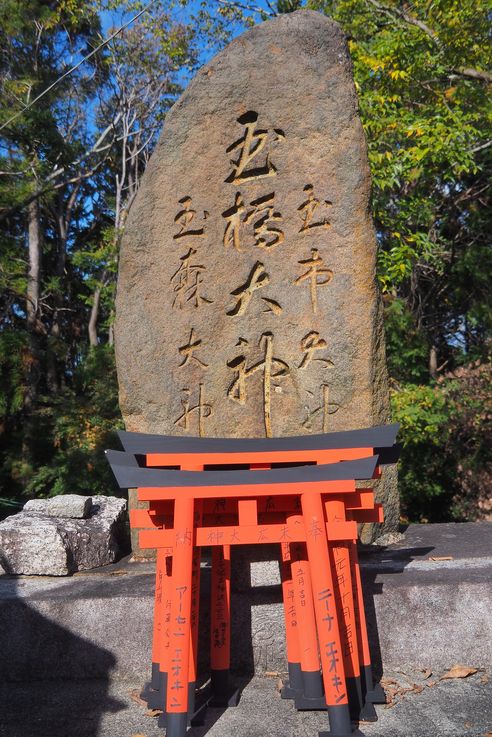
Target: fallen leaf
(118, 573)
(458, 671)
(417, 689)
(271, 673)
(153, 713)
(427, 672)
(135, 696)
(388, 682)
(440, 557)
(485, 679)
(390, 705)
(139, 735)
(431, 684)
(279, 685)
(468, 725)
(488, 734)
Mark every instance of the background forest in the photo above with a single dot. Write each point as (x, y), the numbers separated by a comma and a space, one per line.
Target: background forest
(70, 165)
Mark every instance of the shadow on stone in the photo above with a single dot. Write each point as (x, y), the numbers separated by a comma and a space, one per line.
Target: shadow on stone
(372, 559)
(56, 710)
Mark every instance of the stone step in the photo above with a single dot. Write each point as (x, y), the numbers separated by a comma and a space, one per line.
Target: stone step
(96, 708)
(422, 613)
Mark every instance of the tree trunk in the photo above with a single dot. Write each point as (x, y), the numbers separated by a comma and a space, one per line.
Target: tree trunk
(433, 361)
(92, 327)
(32, 353)
(34, 272)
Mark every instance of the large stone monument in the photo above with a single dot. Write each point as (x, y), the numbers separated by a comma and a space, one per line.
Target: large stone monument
(247, 303)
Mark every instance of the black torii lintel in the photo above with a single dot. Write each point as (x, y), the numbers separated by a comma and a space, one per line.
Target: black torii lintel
(381, 436)
(129, 475)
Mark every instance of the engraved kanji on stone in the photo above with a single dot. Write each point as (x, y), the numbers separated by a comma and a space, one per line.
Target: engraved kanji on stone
(187, 282)
(201, 410)
(184, 219)
(317, 275)
(325, 409)
(269, 366)
(311, 343)
(252, 161)
(257, 279)
(264, 215)
(232, 216)
(308, 209)
(188, 350)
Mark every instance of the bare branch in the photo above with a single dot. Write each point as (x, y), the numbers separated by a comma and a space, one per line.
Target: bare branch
(250, 8)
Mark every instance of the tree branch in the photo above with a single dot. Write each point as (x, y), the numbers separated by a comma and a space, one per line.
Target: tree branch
(404, 15)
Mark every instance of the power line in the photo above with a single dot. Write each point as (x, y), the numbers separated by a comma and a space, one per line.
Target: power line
(76, 66)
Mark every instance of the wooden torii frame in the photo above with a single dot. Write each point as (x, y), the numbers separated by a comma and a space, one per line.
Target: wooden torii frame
(323, 492)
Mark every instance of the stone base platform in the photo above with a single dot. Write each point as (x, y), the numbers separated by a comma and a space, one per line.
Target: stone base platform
(428, 605)
(97, 708)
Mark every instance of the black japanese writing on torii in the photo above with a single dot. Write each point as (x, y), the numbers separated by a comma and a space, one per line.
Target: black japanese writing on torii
(253, 161)
(270, 367)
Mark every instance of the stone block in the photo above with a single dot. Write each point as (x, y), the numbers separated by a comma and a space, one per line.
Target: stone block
(34, 543)
(72, 506)
(247, 303)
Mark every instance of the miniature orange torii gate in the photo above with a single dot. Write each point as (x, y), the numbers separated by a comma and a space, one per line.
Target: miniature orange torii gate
(215, 527)
(278, 484)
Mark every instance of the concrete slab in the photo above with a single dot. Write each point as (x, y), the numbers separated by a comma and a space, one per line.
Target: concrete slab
(95, 708)
(421, 613)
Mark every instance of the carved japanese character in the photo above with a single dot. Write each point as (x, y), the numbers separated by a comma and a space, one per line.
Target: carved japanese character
(317, 275)
(201, 410)
(232, 232)
(187, 281)
(269, 366)
(308, 209)
(257, 279)
(184, 218)
(325, 409)
(311, 343)
(188, 350)
(247, 166)
(266, 235)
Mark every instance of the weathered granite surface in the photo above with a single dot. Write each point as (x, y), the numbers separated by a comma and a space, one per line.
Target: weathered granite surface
(32, 543)
(422, 613)
(73, 506)
(247, 303)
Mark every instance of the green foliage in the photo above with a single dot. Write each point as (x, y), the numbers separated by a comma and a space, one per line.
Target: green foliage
(422, 72)
(406, 348)
(446, 430)
(77, 155)
(82, 424)
(12, 346)
(424, 94)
